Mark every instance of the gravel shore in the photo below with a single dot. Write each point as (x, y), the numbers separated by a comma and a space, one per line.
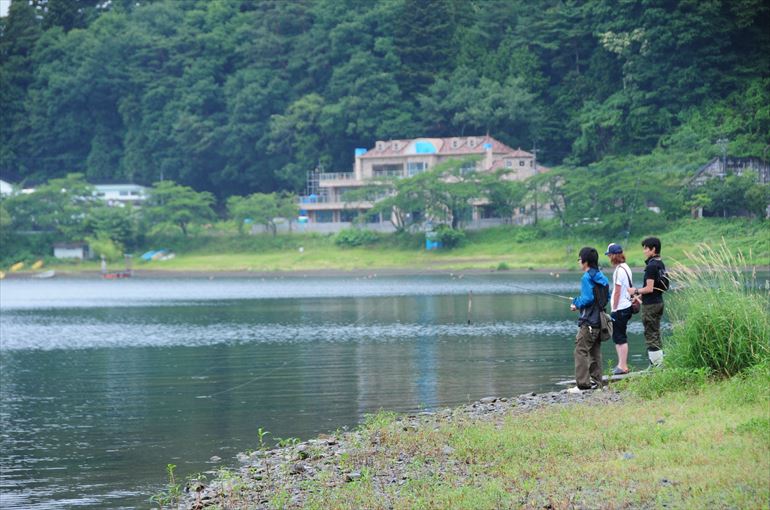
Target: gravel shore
(290, 470)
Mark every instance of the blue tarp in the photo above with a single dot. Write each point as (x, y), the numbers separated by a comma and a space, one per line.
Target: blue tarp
(152, 253)
(424, 148)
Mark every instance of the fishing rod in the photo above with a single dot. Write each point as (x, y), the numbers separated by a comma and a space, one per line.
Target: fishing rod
(530, 291)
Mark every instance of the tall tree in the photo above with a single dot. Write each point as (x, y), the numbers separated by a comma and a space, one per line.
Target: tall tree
(424, 38)
(172, 204)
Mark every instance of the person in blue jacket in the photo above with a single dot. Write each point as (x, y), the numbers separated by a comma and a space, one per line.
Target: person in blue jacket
(594, 289)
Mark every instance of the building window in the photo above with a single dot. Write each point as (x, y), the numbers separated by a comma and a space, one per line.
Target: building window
(348, 215)
(509, 163)
(521, 163)
(532, 162)
(468, 167)
(455, 143)
(416, 167)
(124, 193)
(388, 170)
(324, 216)
(471, 142)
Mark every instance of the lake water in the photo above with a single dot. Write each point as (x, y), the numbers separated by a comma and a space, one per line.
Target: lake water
(104, 383)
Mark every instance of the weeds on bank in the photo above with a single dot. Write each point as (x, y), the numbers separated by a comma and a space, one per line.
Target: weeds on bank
(172, 492)
(720, 317)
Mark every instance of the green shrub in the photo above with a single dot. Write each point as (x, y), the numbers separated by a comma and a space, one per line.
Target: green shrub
(102, 246)
(449, 237)
(351, 237)
(667, 380)
(719, 316)
(525, 234)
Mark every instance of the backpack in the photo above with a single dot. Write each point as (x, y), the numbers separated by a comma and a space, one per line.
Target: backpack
(601, 298)
(663, 283)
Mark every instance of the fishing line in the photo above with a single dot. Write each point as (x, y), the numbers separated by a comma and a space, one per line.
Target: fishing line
(290, 361)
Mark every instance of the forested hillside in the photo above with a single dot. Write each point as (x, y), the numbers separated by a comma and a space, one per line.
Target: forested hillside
(241, 96)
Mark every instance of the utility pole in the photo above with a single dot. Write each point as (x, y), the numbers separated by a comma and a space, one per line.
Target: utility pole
(722, 142)
(534, 163)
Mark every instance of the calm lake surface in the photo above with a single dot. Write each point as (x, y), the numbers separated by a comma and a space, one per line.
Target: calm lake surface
(104, 383)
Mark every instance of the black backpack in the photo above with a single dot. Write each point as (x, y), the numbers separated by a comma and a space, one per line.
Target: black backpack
(663, 283)
(601, 298)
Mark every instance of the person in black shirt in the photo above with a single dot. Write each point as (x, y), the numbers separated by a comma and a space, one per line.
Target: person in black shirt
(652, 299)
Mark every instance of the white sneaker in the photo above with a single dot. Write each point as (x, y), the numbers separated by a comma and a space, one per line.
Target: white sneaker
(574, 390)
(656, 358)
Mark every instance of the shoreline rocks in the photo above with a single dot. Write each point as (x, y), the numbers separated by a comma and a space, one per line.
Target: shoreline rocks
(285, 472)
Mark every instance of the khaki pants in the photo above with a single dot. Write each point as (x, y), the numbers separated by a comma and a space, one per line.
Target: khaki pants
(651, 315)
(588, 357)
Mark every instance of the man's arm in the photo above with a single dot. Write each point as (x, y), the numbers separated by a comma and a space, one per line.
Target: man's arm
(586, 296)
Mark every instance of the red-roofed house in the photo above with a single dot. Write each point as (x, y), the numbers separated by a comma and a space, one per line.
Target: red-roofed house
(405, 158)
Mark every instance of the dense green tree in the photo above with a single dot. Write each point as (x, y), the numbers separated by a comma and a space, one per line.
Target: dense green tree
(262, 208)
(505, 197)
(425, 43)
(733, 195)
(237, 97)
(59, 207)
(169, 203)
(118, 224)
(19, 32)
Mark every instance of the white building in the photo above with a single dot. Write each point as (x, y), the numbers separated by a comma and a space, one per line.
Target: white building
(324, 206)
(121, 194)
(5, 188)
(79, 251)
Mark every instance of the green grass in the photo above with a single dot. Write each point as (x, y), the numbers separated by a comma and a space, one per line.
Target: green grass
(695, 448)
(720, 317)
(515, 248)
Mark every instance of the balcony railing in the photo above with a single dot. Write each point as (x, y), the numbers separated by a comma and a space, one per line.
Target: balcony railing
(315, 199)
(337, 176)
(389, 173)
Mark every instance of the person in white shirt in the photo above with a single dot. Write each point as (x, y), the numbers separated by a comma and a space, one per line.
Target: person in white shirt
(620, 304)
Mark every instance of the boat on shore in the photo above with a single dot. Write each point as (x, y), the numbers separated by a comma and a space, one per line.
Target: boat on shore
(117, 275)
(45, 274)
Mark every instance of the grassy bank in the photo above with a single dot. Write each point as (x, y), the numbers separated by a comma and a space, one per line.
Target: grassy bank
(702, 447)
(675, 440)
(496, 248)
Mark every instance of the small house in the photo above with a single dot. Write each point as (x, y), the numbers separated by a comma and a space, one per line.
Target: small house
(79, 251)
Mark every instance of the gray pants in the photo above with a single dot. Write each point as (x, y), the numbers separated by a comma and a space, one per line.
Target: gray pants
(588, 357)
(651, 315)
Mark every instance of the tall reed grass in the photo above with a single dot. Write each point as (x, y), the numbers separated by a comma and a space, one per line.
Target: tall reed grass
(719, 313)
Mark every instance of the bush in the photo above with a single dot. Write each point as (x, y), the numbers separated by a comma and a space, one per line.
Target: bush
(668, 380)
(109, 249)
(719, 316)
(351, 237)
(449, 237)
(525, 234)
